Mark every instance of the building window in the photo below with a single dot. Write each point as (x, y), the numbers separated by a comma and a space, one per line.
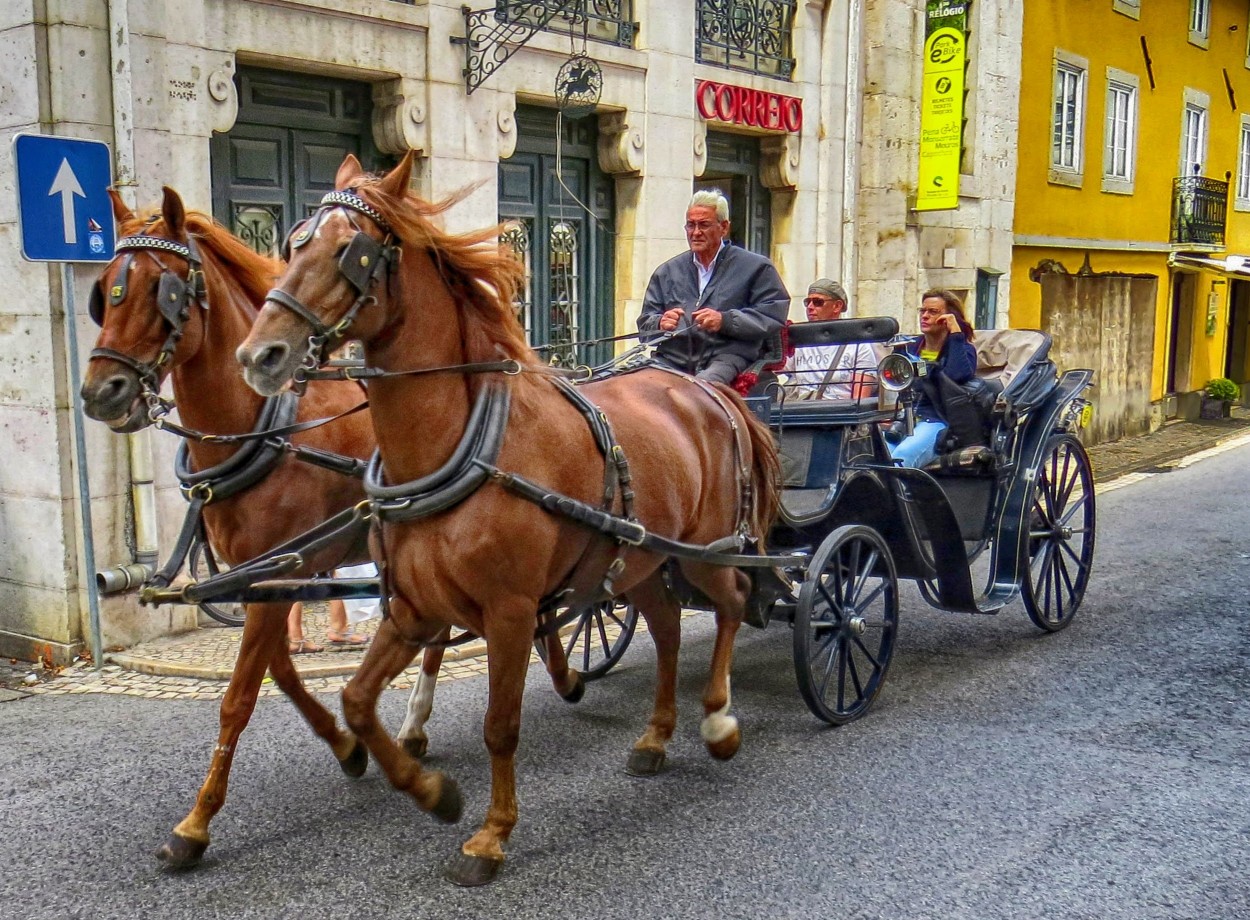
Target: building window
(1130, 8)
(1241, 201)
(1068, 119)
(750, 35)
(1193, 138)
(1200, 22)
(1120, 138)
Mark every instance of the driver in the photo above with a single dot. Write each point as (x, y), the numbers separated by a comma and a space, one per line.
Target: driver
(725, 300)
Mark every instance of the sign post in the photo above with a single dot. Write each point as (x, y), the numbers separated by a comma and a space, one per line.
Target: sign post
(942, 105)
(64, 215)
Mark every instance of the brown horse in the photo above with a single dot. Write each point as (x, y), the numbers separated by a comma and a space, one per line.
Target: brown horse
(212, 397)
(484, 559)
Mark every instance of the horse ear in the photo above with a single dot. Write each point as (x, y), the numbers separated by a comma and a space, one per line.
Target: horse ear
(395, 182)
(121, 213)
(349, 169)
(173, 212)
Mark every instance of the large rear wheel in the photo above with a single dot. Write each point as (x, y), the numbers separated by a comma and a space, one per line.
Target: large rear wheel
(845, 623)
(1060, 539)
(595, 641)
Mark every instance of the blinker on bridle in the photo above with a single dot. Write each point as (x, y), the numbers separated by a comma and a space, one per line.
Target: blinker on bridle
(174, 297)
(363, 262)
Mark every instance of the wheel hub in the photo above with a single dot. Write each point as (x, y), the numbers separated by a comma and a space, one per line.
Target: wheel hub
(855, 625)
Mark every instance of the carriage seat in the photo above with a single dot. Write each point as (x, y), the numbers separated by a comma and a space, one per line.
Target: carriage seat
(1005, 355)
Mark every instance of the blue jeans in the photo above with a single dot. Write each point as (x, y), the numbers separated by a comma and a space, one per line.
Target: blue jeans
(920, 447)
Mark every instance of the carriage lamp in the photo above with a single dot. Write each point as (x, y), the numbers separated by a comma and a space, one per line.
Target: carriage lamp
(896, 372)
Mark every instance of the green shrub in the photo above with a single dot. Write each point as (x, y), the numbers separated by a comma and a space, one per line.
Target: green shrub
(1223, 388)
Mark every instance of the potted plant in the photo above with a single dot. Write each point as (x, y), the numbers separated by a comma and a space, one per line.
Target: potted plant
(1218, 396)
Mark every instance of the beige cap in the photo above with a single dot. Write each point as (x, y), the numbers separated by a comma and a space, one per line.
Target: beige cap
(829, 288)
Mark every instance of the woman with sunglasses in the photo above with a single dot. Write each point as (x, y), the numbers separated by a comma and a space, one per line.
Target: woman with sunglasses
(946, 345)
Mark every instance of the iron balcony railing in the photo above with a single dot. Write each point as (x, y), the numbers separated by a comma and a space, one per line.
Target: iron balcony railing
(1199, 210)
(750, 35)
(609, 21)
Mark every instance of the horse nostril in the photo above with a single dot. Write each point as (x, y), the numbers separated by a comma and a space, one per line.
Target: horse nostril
(271, 358)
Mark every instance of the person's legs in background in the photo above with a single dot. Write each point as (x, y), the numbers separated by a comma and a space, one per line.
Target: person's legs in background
(296, 643)
(920, 447)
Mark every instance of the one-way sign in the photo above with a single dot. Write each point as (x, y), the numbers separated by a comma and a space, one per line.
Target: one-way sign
(63, 207)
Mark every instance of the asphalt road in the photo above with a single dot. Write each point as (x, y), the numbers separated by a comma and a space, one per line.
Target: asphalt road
(1098, 773)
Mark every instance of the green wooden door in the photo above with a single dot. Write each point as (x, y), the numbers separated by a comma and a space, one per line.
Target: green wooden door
(293, 130)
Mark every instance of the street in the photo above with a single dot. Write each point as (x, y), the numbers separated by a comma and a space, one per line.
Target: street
(1096, 773)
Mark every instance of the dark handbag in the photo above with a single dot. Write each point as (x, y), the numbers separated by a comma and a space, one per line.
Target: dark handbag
(960, 406)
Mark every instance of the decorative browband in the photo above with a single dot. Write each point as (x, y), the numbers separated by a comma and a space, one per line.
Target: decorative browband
(356, 203)
(153, 242)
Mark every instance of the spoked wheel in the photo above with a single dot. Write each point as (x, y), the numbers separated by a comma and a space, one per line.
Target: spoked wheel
(202, 564)
(1060, 540)
(598, 638)
(845, 623)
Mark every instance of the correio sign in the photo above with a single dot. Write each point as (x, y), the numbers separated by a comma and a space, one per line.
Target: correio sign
(754, 108)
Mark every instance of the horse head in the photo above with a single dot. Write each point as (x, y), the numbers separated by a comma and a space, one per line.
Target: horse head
(143, 303)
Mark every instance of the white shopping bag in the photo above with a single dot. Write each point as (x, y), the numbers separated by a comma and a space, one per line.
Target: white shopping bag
(360, 609)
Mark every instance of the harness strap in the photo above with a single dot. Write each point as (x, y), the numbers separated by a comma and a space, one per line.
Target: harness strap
(247, 465)
(456, 479)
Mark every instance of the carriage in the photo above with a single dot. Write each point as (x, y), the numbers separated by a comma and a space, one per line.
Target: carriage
(1015, 516)
(981, 526)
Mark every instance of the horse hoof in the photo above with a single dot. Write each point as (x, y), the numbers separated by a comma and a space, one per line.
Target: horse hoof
(579, 689)
(450, 805)
(354, 764)
(181, 853)
(726, 747)
(470, 871)
(644, 762)
(416, 747)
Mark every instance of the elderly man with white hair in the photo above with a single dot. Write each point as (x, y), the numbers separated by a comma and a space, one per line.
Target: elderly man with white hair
(723, 301)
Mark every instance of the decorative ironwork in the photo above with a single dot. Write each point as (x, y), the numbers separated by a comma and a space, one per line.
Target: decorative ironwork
(259, 226)
(750, 35)
(579, 83)
(1199, 210)
(492, 36)
(607, 21)
(517, 235)
(565, 301)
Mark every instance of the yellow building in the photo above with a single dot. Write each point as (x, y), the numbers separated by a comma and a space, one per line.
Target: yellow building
(1132, 217)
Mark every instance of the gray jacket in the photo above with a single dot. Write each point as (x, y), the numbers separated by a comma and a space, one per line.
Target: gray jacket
(744, 287)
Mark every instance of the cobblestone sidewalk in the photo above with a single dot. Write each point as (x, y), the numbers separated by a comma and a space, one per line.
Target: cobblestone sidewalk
(197, 665)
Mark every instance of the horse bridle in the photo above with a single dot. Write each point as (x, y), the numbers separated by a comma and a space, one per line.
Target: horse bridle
(363, 263)
(174, 297)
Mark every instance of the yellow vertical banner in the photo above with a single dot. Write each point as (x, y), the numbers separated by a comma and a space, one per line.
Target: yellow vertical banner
(941, 107)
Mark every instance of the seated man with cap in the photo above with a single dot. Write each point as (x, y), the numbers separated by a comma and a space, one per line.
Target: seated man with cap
(834, 371)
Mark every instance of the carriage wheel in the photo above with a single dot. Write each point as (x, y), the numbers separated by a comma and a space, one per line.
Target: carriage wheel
(202, 564)
(598, 638)
(844, 624)
(1060, 539)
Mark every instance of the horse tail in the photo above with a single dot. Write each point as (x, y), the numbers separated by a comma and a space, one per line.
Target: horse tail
(765, 470)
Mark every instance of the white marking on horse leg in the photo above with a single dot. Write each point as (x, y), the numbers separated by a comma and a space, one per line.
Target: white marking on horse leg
(718, 725)
(420, 705)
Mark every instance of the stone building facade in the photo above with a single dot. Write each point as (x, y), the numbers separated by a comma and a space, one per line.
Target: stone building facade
(804, 111)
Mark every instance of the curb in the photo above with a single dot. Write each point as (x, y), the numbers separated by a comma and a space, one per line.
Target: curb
(306, 668)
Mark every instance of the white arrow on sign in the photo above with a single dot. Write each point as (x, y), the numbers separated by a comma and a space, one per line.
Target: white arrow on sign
(66, 185)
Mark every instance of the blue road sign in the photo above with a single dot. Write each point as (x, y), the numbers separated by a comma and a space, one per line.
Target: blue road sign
(63, 209)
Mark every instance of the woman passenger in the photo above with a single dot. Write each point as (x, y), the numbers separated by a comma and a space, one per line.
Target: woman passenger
(947, 347)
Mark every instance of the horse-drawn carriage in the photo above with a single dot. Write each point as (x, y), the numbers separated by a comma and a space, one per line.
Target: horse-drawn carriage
(664, 491)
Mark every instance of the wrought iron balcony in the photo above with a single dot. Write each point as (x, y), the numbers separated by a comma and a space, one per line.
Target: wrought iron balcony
(1199, 210)
(750, 35)
(610, 21)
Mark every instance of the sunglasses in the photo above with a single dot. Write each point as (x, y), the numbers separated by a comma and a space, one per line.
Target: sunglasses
(816, 301)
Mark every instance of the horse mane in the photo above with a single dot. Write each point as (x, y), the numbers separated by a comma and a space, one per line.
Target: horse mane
(482, 279)
(236, 262)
